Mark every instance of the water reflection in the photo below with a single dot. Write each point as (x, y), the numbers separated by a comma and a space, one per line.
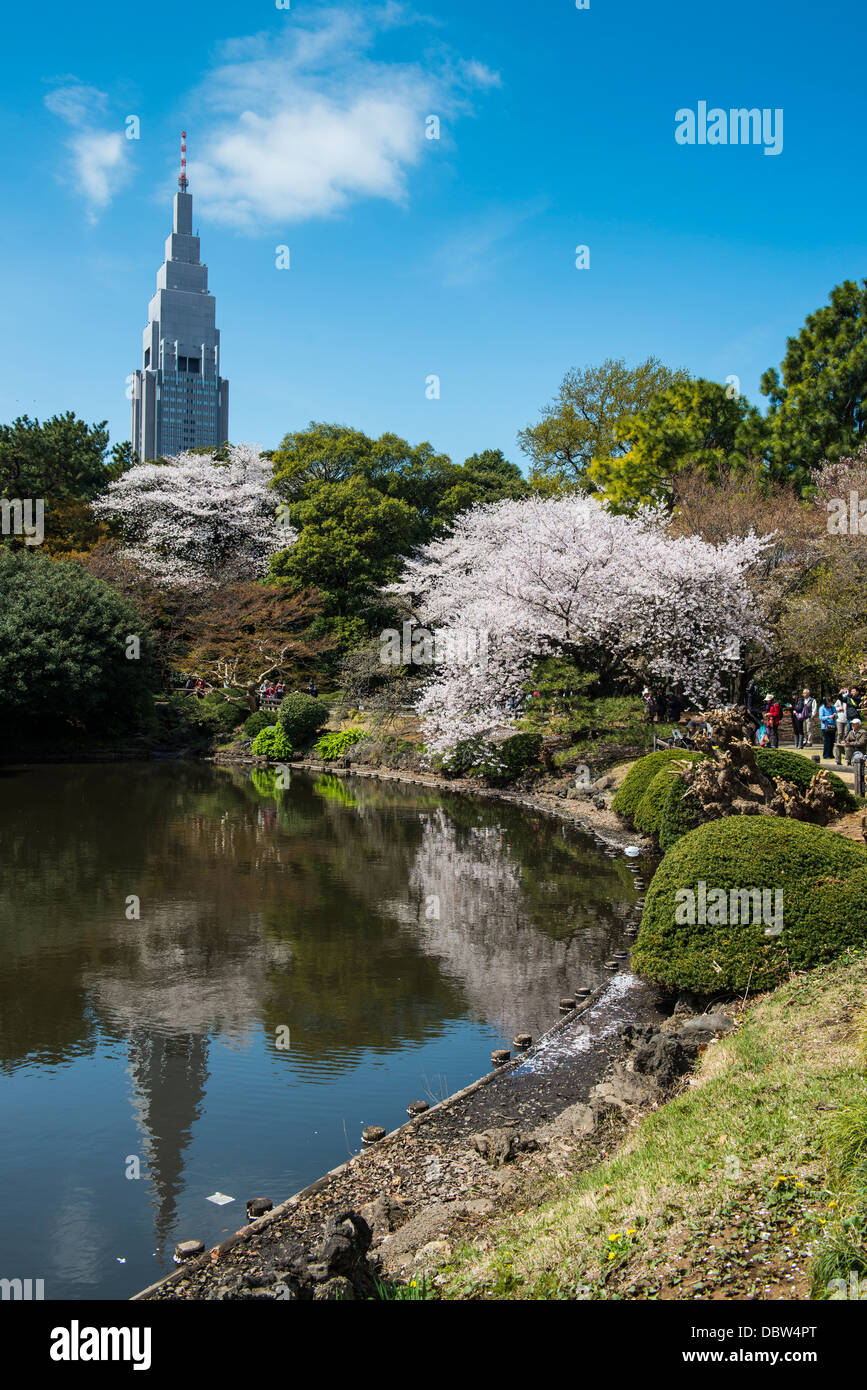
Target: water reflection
(371, 920)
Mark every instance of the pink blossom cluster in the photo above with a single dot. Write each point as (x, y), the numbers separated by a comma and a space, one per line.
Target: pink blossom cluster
(565, 576)
(198, 521)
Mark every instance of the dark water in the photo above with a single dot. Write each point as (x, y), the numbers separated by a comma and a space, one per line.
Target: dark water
(398, 935)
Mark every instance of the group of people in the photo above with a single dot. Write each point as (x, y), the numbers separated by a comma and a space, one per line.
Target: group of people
(661, 706)
(838, 718)
(276, 690)
(271, 690)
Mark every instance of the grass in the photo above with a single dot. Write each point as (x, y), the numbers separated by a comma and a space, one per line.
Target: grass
(732, 1189)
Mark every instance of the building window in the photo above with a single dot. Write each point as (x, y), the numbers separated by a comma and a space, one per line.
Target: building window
(147, 357)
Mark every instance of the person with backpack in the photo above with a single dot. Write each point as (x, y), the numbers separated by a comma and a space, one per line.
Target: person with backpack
(773, 715)
(828, 725)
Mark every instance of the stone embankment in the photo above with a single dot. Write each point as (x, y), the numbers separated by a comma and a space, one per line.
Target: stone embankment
(397, 1210)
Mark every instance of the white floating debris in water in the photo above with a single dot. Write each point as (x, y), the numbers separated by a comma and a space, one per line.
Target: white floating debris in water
(219, 1199)
(119, 1260)
(632, 851)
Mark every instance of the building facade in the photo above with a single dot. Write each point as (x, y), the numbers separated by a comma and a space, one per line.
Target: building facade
(179, 399)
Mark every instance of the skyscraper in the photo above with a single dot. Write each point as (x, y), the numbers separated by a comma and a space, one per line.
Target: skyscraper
(179, 399)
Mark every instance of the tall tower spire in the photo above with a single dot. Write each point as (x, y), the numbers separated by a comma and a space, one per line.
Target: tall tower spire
(179, 399)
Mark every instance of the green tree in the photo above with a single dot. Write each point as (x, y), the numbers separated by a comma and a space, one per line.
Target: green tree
(65, 651)
(691, 426)
(819, 409)
(350, 540)
(584, 421)
(62, 462)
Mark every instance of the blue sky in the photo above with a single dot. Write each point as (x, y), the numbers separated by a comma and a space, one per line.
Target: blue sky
(409, 256)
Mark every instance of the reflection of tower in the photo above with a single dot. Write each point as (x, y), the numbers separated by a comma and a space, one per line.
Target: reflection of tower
(169, 1072)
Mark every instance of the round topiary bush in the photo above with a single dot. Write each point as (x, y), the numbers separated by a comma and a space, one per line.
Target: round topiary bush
(301, 716)
(739, 902)
(677, 814)
(254, 723)
(640, 776)
(780, 763)
(649, 810)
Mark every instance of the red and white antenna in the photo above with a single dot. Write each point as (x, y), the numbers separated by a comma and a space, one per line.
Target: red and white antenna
(182, 181)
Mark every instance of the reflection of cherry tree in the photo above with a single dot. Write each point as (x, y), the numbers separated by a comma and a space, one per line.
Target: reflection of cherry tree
(468, 908)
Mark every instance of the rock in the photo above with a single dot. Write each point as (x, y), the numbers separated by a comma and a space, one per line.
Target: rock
(707, 1023)
(575, 1122)
(188, 1249)
(427, 1225)
(522, 1040)
(372, 1134)
(384, 1215)
(478, 1206)
(436, 1252)
(663, 1058)
(417, 1107)
(500, 1056)
(499, 1146)
(566, 1005)
(257, 1206)
(335, 1290)
(622, 1089)
(347, 1240)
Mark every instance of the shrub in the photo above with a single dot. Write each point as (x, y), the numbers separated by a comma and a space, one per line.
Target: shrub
(678, 814)
(301, 716)
(499, 763)
(648, 812)
(823, 880)
(227, 714)
(63, 649)
(780, 763)
(272, 743)
(255, 722)
(640, 776)
(331, 746)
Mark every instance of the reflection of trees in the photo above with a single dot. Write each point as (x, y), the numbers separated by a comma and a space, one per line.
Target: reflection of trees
(264, 907)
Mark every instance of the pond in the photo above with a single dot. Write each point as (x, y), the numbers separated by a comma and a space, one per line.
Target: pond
(209, 984)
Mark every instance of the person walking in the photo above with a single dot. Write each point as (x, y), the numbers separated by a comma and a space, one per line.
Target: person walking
(312, 688)
(798, 716)
(811, 710)
(840, 705)
(773, 715)
(828, 725)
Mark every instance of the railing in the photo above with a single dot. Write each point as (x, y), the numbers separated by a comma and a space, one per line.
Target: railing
(858, 776)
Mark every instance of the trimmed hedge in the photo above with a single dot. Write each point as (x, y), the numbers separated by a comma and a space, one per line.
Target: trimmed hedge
(823, 880)
(648, 813)
(678, 814)
(779, 762)
(642, 773)
(301, 716)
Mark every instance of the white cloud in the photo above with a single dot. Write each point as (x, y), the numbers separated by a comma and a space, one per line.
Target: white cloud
(305, 124)
(97, 157)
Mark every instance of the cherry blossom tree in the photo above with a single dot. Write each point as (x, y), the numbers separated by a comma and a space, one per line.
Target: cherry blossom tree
(519, 580)
(197, 521)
